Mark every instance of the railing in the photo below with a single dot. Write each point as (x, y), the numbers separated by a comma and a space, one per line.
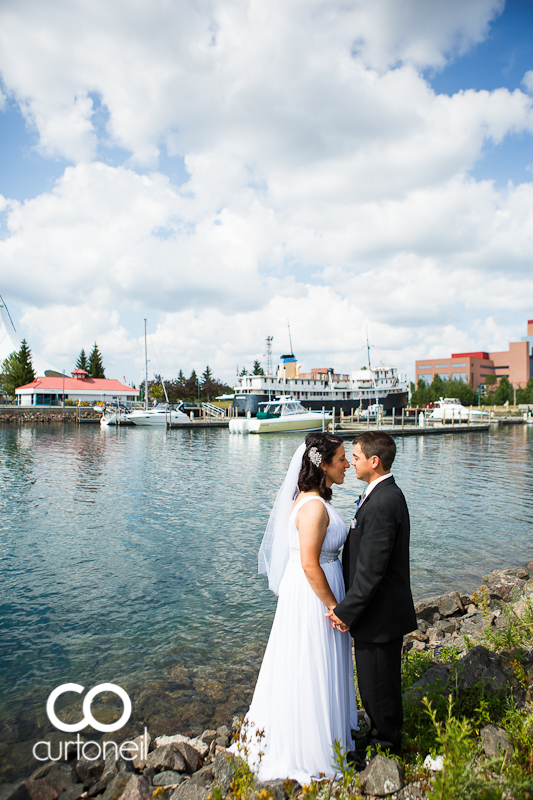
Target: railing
(213, 411)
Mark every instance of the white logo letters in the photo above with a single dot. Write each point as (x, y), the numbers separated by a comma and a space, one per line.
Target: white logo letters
(88, 718)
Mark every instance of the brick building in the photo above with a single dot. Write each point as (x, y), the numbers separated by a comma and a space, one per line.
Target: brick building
(473, 368)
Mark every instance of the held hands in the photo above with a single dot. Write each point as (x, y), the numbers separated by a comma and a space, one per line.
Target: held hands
(337, 623)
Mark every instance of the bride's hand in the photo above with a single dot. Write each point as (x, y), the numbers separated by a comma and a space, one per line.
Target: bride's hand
(337, 623)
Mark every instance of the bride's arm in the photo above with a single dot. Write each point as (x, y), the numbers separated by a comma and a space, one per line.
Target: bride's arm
(312, 522)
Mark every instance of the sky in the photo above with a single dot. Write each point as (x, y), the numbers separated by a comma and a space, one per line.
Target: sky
(220, 167)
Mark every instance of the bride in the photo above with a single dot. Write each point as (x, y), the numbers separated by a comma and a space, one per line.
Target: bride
(304, 698)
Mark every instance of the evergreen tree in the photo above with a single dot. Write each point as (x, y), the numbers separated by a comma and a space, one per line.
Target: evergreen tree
(81, 363)
(17, 369)
(258, 369)
(504, 391)
(95, 366)
(207, 375)
(243, 371)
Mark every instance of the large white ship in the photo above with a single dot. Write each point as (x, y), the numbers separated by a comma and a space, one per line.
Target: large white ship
(323, 388)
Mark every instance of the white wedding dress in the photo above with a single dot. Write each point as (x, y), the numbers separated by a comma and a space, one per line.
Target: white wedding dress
(304, 699)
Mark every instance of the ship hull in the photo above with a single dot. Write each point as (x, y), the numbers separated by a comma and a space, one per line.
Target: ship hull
(248, 403)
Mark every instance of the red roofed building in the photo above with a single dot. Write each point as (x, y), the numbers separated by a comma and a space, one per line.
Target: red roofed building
(48, 391)
(473, 368)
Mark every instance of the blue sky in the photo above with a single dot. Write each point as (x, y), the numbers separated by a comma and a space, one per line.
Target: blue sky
(221, 169)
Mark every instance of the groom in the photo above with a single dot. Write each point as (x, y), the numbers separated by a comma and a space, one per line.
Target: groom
(378, 607)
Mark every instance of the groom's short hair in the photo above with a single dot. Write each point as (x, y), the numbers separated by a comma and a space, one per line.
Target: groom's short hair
(377, 443)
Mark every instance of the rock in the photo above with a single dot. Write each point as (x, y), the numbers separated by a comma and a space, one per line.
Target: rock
(381, 777)
(137, 788)
(190, 755)
(89, 772)
(480, 665)
(434, 634)
(449, 604)
(224, 766)
(14, 791)
(473, 627)
(198, 743)
(417, 635)
(117, 786)
(142, 740)
(53, 779)
(166, 757)
(275, 789)
(446, 625)
(413, 791)
(500, 623)
(518, 572)
(422, 624)
(420, 646)
(434, 679)
(114, 765)
(96, 789)
(208, 737)
(190, 791)
(426, 608)
(167, 778)
(496, 742)
(471, 610)
(204, 776)
(74, 793)
(503, 584)
(224, 733)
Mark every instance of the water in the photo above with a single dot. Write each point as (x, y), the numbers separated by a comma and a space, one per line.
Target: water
(129, 556)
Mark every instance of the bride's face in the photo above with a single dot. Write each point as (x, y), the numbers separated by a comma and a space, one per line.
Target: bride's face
(336, 470)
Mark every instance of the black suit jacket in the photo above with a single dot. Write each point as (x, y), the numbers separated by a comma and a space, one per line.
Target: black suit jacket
(378, 605)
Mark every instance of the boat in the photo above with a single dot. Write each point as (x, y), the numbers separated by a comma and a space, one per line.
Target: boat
(452, 408)
(375, 410)
(323, 388)
(161, 414)
(283, 414)
(116, 415)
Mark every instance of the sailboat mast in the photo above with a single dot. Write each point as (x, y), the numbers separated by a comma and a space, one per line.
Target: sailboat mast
(145, 370)
(290, 340)
(368, 350)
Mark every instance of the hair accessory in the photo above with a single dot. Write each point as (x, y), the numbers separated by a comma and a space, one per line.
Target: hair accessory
(315, 457)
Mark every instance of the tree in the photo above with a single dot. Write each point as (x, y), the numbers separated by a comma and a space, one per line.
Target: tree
(258, 369)
(243, 371)
(81, 363)
(504, 391)
(95, 366)
(17, 369)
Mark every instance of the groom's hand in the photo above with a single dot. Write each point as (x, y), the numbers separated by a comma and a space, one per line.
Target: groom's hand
(337, 623)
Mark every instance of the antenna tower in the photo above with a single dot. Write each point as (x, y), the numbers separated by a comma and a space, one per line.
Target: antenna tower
(268, 355)
(290, 340)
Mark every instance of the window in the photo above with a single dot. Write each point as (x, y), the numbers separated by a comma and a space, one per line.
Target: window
(460, 376)
(443, 376)
(455, 366)
(441, 366)
(425, 366)
(425, 378)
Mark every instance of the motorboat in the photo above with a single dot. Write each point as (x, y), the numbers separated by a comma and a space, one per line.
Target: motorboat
(375, 410)
(452, 408)
(162, 414)
(116, 415)
(281, 415)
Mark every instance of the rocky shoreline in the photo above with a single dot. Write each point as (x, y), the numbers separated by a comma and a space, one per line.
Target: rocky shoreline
(178, 767)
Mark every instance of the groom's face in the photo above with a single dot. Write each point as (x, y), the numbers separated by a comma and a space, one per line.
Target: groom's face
(364, 467)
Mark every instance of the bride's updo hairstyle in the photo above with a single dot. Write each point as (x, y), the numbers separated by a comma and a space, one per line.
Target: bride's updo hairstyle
(319, 449)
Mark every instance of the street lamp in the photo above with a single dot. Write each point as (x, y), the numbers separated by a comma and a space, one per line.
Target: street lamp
(63, 401)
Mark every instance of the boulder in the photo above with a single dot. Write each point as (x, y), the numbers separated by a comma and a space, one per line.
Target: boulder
(145, 739)
(98, 788)
(381, 777)
(204, 776)
(200, 744)
(434, 679)
(117, 786)
(473, 626)
(426, 608)
(208, 736)
(224, 767)
(53, 779)
(449, 604)
(89, 772)
(276, 789)
(224, 733)
(190, 756)
(504, 584)
(137, 788)
(190, 791)
(166, 757)
(496, 742)
(413, 791)
(478, 665)
(167, 778)
(14, 791)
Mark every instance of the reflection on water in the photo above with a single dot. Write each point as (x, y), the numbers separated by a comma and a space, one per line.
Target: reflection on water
(130, 556)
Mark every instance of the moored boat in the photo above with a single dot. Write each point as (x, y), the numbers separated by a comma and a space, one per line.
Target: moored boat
(283, 414)
(160, 415)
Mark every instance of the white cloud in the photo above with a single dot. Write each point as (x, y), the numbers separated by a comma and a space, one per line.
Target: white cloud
(328, 183)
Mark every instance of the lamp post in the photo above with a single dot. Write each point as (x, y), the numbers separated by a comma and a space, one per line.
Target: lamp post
(63, 399)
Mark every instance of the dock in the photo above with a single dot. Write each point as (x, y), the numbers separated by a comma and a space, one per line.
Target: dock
(346, 430)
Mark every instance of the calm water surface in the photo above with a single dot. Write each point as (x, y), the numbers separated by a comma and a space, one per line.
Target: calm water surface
(129, 556)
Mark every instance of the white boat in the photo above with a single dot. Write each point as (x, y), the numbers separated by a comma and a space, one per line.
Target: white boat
(280, 415)
(116, 416)
(375, 410)
(160, 415)
(452, 408)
